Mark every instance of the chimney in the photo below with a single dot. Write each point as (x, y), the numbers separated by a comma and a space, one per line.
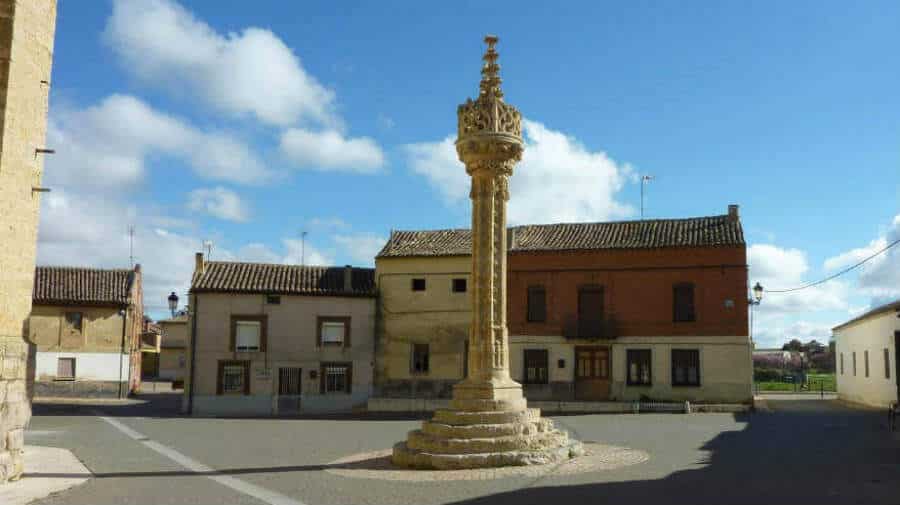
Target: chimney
(348, 278)
(137, 267)
(511, 239)
(733, 214)
(199, 264)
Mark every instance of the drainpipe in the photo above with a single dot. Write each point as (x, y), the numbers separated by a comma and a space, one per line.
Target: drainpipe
(195, 305)
(124, 312)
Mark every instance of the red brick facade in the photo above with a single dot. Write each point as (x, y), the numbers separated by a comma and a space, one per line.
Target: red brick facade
(637, 289)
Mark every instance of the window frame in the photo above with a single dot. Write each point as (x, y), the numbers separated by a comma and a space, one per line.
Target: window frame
(531, 298)
(320, 323)
(70, 325)
(263, 321)
(639, 356)
(686, 382)
(682, 316)
(545, 365)
(220, 376)
(74, 362)
(457, 282)
(323, 378)
(414, 284)
(887, 363)
(413, 348)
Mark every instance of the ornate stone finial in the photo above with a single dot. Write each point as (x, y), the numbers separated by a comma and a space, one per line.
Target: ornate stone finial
(488, 127)
(490, 72)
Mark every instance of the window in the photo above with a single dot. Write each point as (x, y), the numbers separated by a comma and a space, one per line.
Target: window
(683, 303)
(638, 361)
(842, 363)
(334, 331)
(289, 381)
(854, 363)
(887, 363)
(65, 369)
(248, 333)
(418, 284)
(536, 366)
(685, 367)
(273, 299)
(419, 362)
(537, 304)
(234, 378)
(866, 361)
(459, 285)
(247, 336)
(74, 320)
(590, 311)
(336, 378)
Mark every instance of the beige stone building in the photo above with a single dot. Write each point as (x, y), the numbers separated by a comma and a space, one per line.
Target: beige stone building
(867, 354)
(279, 339)
(86, 324)
(173, 349)
(619, 311)
(26, 55)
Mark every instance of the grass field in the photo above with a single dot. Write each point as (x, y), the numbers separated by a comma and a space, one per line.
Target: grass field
(814, 383)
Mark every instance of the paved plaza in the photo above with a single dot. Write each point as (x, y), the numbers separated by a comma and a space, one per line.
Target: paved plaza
(796, 452)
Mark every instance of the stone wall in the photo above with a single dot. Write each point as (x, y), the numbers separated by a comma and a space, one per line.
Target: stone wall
(26, 54)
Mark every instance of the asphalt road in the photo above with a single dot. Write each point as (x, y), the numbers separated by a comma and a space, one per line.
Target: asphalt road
(815, 452)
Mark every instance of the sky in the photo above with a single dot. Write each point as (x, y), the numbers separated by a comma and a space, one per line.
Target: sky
(245, 124)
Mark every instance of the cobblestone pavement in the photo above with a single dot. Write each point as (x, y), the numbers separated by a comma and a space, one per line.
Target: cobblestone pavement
(797, 452)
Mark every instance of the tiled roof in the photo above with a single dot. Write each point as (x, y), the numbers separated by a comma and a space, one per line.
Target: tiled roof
(235, 277)
(84, 286)
(711, 231)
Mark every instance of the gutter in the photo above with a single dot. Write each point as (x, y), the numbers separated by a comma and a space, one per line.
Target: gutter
(122, 351)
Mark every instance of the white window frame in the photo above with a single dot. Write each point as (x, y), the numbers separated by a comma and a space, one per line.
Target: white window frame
(332, 340)
(238, 337)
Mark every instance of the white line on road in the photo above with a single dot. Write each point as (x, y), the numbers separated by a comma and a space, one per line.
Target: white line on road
(260, 493)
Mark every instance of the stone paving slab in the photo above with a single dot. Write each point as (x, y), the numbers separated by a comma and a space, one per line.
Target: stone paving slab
(48, 470)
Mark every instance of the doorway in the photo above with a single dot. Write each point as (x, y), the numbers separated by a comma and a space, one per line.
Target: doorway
(592, 372)
(289, 390)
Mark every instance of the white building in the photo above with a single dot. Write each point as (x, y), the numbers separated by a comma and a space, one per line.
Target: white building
(867, 353)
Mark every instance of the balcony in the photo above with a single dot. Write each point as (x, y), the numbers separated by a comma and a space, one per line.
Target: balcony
(590, 329)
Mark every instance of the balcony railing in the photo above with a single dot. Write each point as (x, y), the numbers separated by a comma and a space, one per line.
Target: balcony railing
(591, 329)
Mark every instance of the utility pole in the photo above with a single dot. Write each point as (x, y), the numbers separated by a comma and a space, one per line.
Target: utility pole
(644, 179)
(302, 247)
(131, 245)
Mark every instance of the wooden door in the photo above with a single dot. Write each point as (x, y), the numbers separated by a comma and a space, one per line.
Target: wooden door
(592, 372)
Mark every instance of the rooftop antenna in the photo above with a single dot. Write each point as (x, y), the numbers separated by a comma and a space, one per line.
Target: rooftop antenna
(208, 245)
(131, 245)
(302, 247)
(644, 179)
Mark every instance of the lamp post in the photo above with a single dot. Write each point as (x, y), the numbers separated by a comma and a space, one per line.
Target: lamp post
(173, 303)
(754, 300)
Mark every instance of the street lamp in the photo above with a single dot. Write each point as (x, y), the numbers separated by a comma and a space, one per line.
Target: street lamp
(754, 300)
(173, 303)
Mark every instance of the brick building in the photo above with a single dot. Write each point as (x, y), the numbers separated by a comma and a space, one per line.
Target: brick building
(87, 324)
(26, 55)
(596, 311)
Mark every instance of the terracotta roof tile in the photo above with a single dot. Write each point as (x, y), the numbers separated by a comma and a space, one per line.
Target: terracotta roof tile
(86, 286)
(710, 231)
(236, 277)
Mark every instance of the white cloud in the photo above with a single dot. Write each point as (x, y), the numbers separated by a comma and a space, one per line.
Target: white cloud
(558, 180)
(248, 72)
(331, 150)
(219, 202)
(361, 248)
(306, 254)
(106, 146)
(778, 330)
(778, 268)
(878, 278)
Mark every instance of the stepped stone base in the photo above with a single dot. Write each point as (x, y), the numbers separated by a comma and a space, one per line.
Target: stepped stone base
(456, 440)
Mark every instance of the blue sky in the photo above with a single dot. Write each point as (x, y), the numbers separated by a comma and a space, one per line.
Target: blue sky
(244, 123)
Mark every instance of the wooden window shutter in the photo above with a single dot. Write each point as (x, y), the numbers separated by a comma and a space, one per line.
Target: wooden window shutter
(537, 304)
(683, 303)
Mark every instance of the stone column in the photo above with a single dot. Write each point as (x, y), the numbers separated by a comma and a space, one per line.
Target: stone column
(488, 424)
(26, 53)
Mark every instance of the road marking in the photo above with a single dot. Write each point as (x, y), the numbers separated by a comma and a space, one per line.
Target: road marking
(260, 493)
